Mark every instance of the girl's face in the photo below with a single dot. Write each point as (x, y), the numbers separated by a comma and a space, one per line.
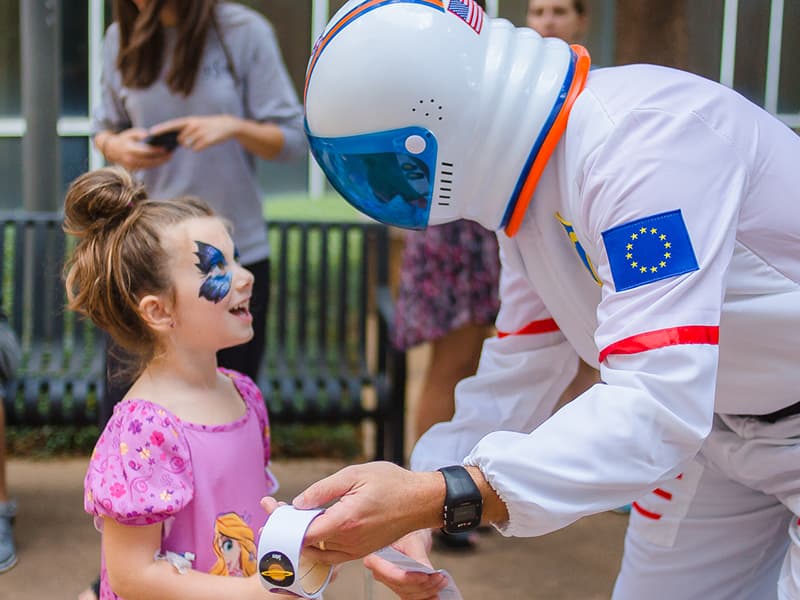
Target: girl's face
(556, 18)
(211, 289)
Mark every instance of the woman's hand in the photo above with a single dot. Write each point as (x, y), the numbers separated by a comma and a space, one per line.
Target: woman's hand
(128, 149)
(200, 132)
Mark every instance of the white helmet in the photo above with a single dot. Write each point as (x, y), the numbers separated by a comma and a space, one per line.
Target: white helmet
(422, 112)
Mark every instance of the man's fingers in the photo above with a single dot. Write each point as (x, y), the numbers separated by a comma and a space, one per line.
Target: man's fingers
(381, 568)
(270, 504)
(409, 585)
(323, 491)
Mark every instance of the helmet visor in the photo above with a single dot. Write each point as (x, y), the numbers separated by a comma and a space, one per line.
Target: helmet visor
(387, 175)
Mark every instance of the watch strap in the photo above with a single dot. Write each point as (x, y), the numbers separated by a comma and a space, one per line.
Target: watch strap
(460, 490)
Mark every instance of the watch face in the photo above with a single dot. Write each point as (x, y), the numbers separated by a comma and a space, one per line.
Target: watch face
(465, 513)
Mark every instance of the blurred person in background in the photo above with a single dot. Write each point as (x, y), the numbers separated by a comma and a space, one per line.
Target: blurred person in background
(10, 354)
(565, 19)
(189, 104)
(8, 508)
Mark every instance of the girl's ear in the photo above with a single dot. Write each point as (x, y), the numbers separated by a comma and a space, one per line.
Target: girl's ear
(156, 313)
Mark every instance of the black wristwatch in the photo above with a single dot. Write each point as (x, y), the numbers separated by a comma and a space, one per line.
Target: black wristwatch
(462, 501)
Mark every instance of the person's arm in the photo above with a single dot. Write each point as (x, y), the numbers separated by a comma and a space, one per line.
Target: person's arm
(134, 573)
(379, 502)
(272, 127)
(522, 372)
(198, 133)
(114, 137)
(657, 339)
(270, 96)
(127, 149)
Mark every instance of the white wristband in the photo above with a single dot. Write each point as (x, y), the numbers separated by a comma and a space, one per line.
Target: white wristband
(281, 566)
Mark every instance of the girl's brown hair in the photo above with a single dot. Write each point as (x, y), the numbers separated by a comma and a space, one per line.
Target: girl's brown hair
(119, 257)
(141, 42)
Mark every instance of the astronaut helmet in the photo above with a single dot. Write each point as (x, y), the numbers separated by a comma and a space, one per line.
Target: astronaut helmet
(422, 112)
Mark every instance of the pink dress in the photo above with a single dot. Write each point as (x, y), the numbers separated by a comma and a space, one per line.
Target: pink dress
(203, 482)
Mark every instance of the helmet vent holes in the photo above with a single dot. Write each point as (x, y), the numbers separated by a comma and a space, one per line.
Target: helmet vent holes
(428, 108)
(446, 172)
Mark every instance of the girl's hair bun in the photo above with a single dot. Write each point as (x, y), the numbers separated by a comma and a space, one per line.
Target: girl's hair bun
(100, 199)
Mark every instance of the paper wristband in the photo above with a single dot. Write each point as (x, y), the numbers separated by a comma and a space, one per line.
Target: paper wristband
(281, 567)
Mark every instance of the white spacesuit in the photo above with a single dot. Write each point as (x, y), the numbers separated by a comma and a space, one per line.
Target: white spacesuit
(649, 222)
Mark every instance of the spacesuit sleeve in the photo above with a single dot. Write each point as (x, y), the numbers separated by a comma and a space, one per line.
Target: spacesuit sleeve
(671, 181)
(522, 372)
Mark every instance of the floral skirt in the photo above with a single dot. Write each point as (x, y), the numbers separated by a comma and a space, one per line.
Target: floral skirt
(448, 278)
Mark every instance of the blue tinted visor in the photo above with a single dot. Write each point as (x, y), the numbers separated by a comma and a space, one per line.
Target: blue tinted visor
(387, 175)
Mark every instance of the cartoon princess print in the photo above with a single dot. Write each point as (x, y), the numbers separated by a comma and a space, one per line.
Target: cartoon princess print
(234, 545)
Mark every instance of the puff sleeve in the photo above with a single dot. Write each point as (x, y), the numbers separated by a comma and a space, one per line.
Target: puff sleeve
(140, 471)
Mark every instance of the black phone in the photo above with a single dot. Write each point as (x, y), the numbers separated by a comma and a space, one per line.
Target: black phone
(167, 140)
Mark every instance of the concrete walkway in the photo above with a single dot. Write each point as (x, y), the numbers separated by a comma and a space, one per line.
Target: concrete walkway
(59, 549)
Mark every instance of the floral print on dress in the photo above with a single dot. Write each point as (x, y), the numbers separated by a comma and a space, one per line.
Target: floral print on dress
(448, 278)
(140, 471)
(203, 482)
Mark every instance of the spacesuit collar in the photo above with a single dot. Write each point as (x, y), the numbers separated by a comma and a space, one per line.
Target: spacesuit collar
(547, 140)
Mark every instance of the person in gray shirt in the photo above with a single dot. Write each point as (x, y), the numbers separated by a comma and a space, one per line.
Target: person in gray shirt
(207, 78)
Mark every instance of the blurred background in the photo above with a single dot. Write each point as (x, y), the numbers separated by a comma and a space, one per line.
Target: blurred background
(50, 68)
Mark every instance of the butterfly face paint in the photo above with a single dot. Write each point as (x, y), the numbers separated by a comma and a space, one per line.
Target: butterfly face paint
(212, 264)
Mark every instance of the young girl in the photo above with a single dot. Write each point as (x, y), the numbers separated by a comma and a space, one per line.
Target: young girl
(183, 462)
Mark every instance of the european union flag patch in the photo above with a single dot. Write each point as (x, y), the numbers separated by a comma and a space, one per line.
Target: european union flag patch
(649, 249)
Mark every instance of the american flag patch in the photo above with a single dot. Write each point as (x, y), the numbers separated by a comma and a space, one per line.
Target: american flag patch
(469, 12)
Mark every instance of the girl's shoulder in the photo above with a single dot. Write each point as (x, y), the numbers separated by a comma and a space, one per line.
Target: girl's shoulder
(246, 387)
(131, 412)
(140, 471)
(250, 393)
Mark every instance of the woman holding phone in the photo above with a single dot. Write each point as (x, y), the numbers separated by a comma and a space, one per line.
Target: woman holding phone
(210, 93)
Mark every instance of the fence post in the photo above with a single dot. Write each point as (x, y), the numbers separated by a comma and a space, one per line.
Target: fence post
(40, 26)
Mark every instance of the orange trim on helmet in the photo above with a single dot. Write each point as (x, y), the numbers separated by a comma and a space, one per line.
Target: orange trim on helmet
(550, 141)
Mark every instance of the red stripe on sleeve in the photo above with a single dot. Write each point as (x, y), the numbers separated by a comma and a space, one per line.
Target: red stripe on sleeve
(646, 513)
(663, 493)
(689, 334)
(543, 326)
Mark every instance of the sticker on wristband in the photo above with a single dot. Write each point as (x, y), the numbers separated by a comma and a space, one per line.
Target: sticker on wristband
(281, 566)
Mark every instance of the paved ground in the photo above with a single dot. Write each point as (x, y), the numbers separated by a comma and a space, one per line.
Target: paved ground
(59, 549)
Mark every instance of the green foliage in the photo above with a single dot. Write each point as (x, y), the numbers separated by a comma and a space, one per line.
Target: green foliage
(319, 441)
(49, 441)
(288, 441)
(330, 207)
